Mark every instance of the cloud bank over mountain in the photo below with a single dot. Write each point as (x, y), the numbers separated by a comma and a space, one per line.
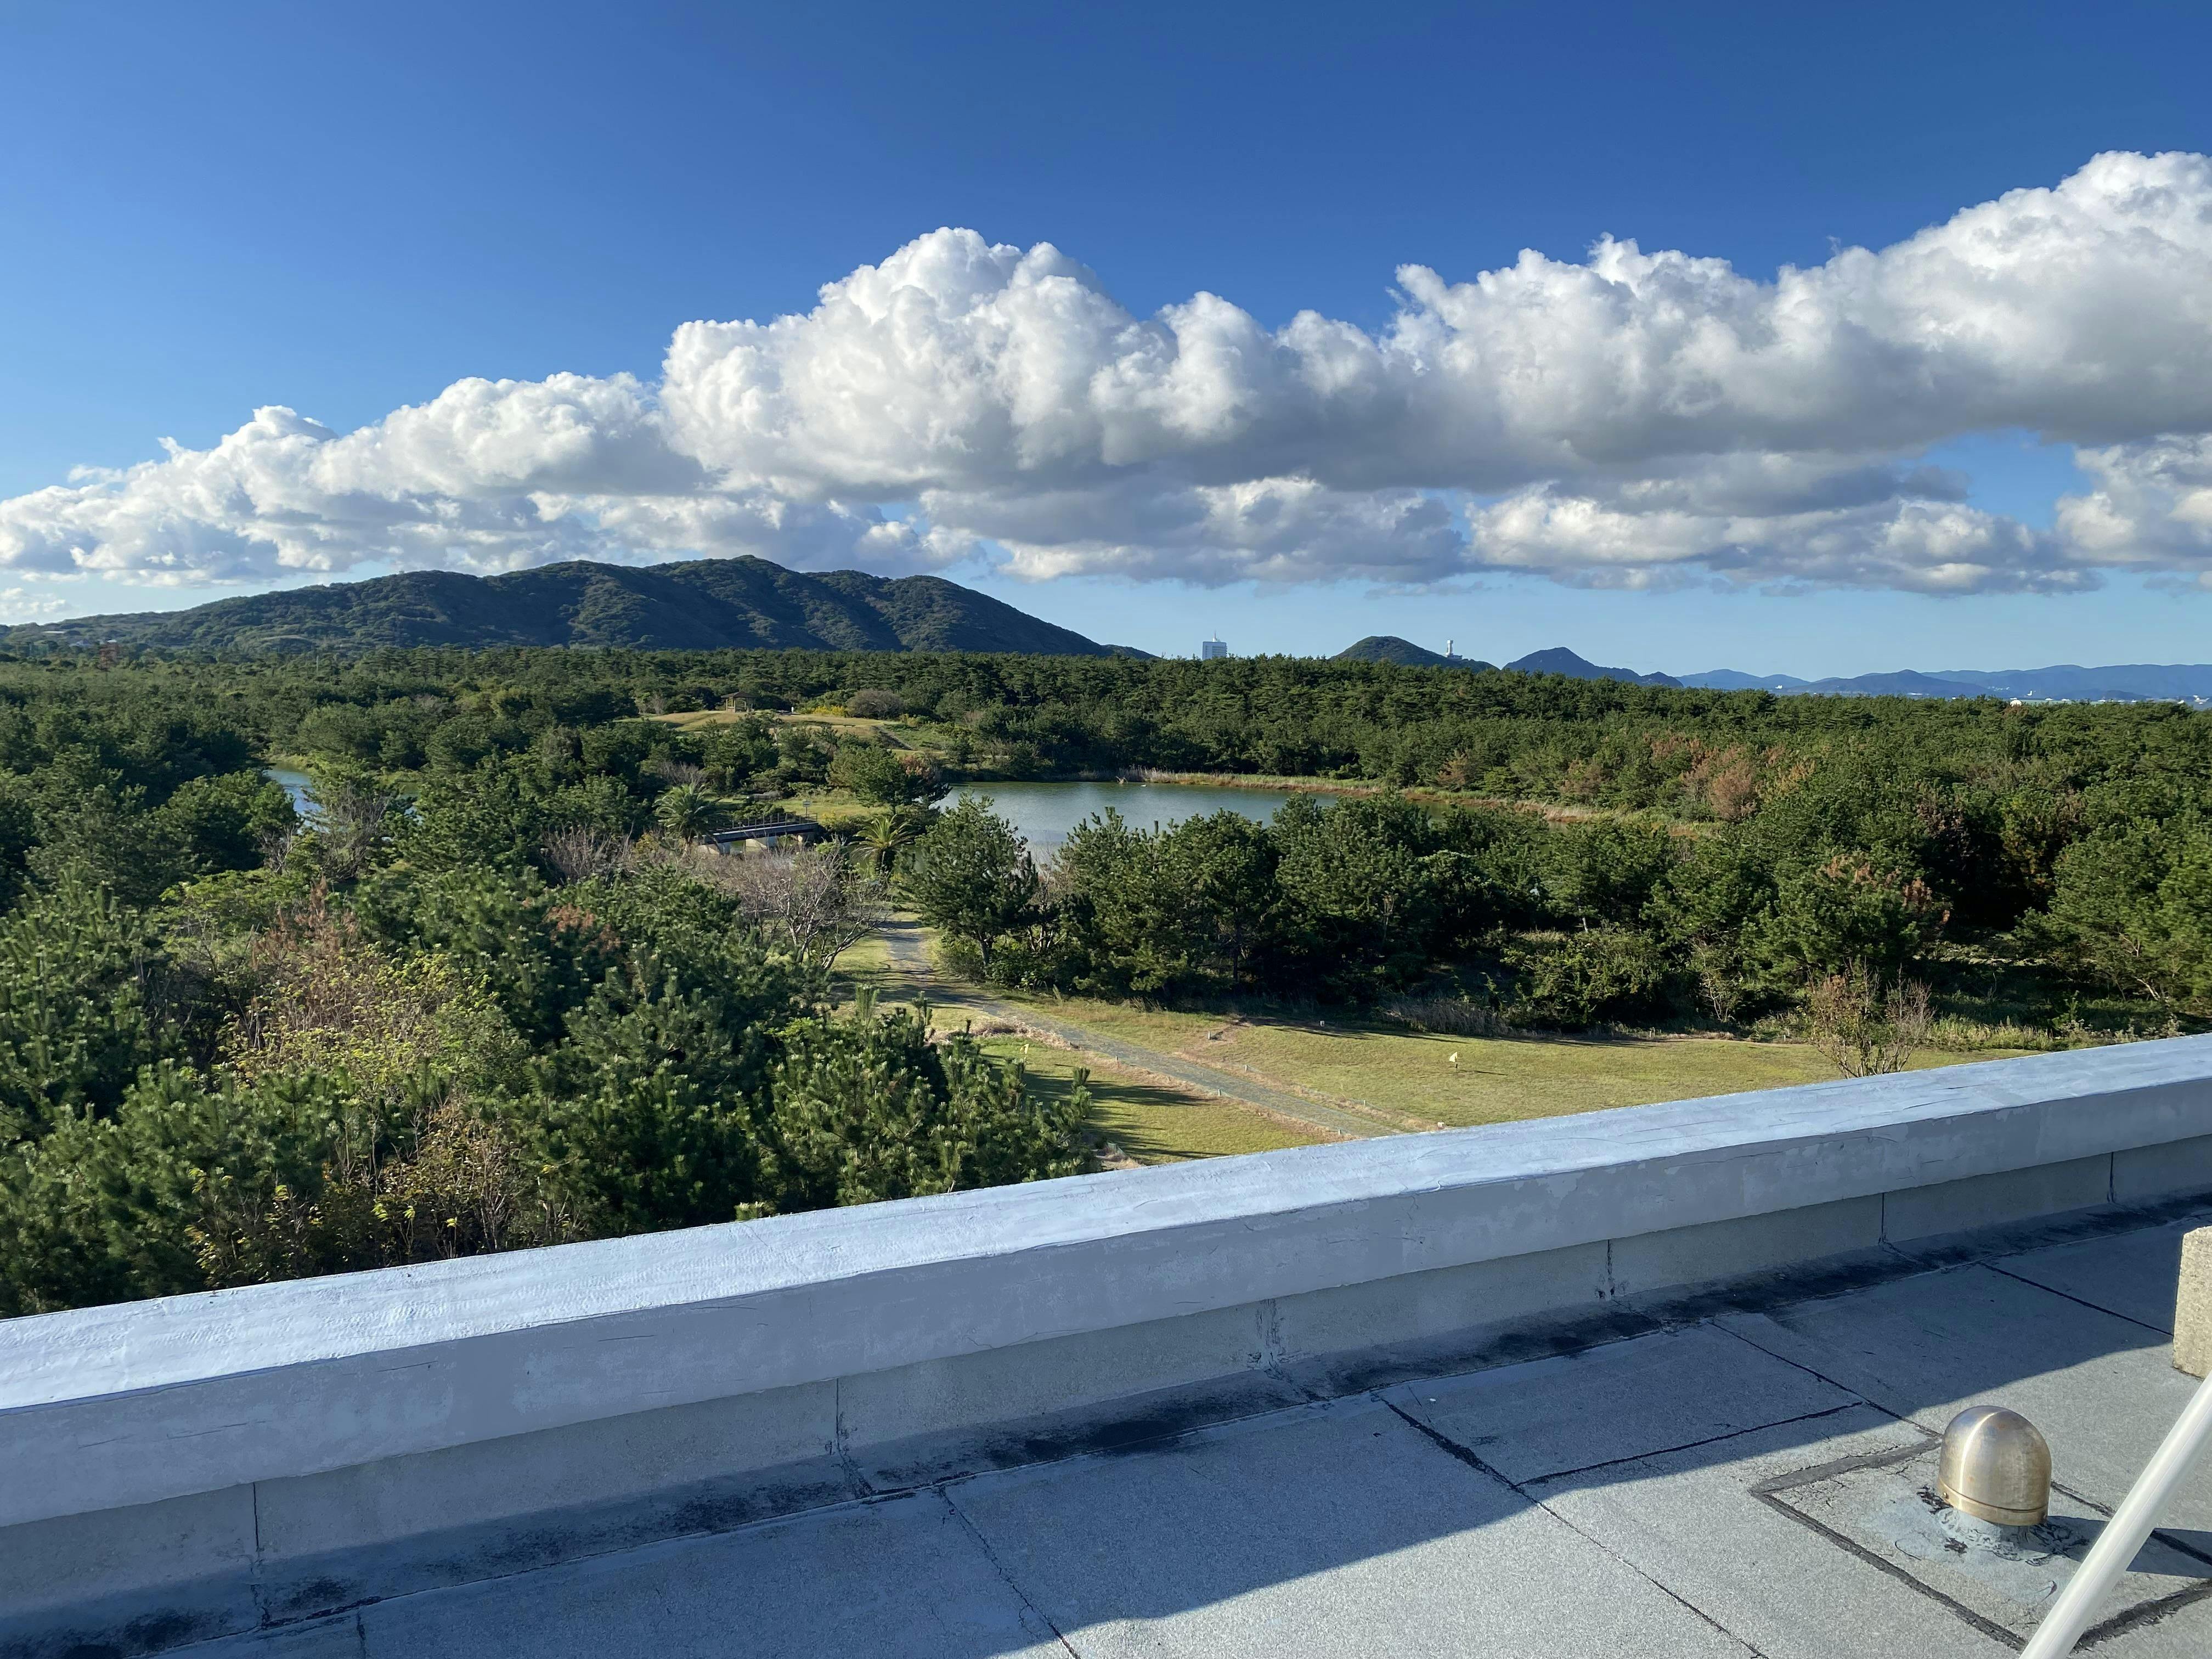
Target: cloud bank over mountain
(1631, 420)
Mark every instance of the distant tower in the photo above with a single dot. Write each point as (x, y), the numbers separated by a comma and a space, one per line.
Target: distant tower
(1209, 649)
(1448, 653)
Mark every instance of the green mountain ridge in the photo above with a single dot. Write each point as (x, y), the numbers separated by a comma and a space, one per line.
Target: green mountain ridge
(1388, 648)
(692, 605)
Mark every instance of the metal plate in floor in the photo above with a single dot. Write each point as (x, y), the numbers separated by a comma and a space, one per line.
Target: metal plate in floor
(1885, 1511)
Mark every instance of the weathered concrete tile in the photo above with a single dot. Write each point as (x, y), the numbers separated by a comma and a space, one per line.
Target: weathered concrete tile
(1331, 1530)
(534, 1475)
(1415, 1308)
(1890, 1510)
(1681, 1257)
(1626, 1399)
(1996, 1200)
(1113, 1425)
(1692, 1520)
(968, 1392)
(2099, 1387)
(2177, 1168)
(129, 1581)
(2132, 1274)
(337, 1637)
(904, 1575)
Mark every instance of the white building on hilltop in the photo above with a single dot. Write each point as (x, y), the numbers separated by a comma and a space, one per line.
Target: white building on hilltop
(1209, 649)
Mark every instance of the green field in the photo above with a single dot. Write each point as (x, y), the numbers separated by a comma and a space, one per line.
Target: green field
(1448, 1081)
(1147, 1122)
(1491, 1080)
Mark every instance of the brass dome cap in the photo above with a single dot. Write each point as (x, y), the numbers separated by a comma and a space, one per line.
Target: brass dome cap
(1996, 1466)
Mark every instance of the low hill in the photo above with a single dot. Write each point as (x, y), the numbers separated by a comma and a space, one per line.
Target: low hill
(1734, 680)
(1388, 648)
(2125, 683)
(1903, 683)
(696, 605)
(1560, 660)
(2115, 683)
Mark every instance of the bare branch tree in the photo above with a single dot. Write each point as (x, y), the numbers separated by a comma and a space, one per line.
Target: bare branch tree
(580, 852)
(1862, 1030)
(817, 898)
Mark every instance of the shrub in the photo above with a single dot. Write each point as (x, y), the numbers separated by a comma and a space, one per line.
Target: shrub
(869, 1109)
(1452, 1016)
(876, 705)
(1863, 1027)
(1607, 973)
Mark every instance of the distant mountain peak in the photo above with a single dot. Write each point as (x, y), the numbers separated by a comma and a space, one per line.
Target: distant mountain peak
(1560, 660)
(1388, 648)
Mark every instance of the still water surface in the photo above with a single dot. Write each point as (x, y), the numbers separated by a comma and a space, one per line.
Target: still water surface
(295, 784)
(1045, 812)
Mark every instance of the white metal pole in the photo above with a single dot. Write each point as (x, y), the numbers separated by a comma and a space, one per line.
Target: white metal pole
(2124, 1533)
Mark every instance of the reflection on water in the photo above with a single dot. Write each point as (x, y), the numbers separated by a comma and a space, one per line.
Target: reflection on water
(1042, 812)
(1045, 812)
(295, 785)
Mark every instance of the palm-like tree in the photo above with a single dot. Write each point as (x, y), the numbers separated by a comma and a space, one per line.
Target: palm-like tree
(887, 837)
(689, 812)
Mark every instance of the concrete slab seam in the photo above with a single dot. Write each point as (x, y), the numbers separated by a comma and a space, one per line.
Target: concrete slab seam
(1452, 1449)
(1993, 1266)
(569, 1562)
(1769, 1493)
(1854, 1404)
(840, 1441)
(1995, 1632)
(1831, 1382)
(1000, 1567)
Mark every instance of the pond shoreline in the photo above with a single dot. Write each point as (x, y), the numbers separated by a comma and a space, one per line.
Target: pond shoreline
(1346, 788)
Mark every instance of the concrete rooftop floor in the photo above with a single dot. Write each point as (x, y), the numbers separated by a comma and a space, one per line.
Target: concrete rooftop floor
(1743, 1484)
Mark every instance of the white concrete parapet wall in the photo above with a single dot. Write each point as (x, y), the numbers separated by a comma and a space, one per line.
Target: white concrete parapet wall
(190, 1448)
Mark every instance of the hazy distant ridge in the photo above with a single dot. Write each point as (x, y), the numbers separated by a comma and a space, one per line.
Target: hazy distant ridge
(2120, 682)
(2124, 682)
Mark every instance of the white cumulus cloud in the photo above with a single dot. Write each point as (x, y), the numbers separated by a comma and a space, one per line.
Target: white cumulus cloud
(1629, 419)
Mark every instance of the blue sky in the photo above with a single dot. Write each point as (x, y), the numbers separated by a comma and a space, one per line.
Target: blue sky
(343, 211)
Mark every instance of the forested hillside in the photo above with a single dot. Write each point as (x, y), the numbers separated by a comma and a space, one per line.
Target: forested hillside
(697, 604)
(488, 994)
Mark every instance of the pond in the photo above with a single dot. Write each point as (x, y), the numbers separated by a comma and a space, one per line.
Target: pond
(1045, 812)
(295, 784)
(1042, 812)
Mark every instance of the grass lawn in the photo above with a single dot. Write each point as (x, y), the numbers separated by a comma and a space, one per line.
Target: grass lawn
(844, 725)
(1149, 1123)
(867, 961)
(1492, 1081)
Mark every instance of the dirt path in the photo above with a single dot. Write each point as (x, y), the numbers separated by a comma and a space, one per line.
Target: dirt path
(907, 954)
